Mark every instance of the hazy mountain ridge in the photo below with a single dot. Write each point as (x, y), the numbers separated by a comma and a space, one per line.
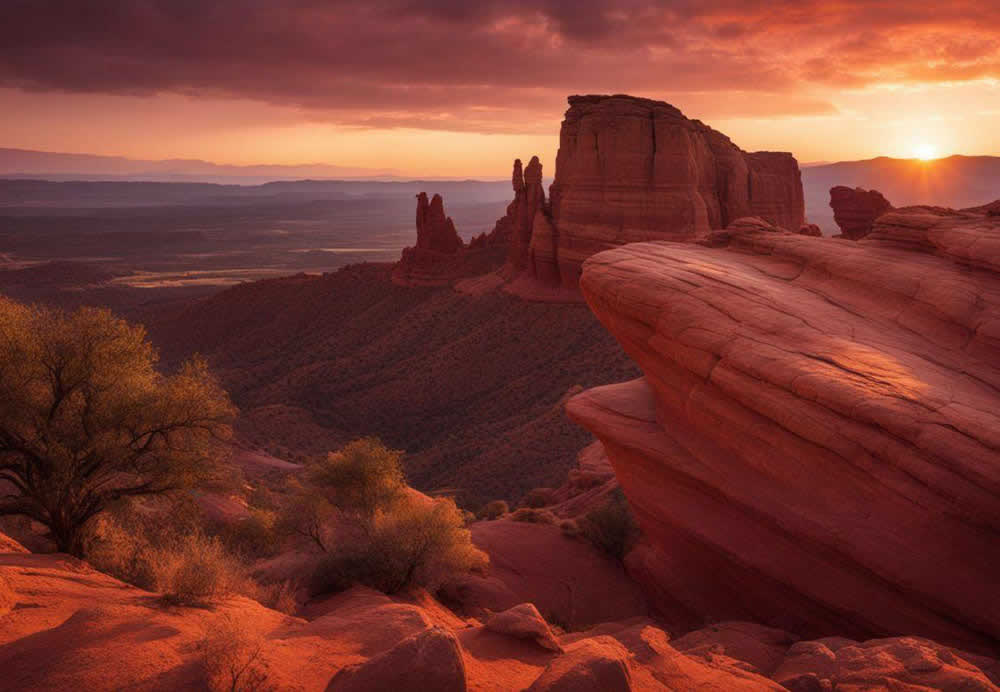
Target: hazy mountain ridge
(955, 181)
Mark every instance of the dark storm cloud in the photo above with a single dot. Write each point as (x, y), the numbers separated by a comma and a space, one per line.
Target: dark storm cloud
(490, 65)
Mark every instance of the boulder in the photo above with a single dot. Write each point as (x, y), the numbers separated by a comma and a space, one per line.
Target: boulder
(762, 648)
(815, 444)
(524, 622)
(430, 660)
(855, 210)
(599, 664)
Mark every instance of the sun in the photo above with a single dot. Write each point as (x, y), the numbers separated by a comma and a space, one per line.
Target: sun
(924, 151)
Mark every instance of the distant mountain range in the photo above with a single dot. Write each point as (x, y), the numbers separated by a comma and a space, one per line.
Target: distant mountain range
(955, 181)
(25, 163)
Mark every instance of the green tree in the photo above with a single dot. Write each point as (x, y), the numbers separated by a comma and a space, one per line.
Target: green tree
(86, 419)
(361, 479)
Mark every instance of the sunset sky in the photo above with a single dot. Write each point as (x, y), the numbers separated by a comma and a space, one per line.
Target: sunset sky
(459, 88)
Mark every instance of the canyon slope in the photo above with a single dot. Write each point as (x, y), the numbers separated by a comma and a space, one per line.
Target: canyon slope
(470, 386)
(815, 443)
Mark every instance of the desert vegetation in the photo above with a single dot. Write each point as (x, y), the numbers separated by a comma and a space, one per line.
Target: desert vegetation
(355, 506)
(493, 510)
(86, 420)
(232, 657)
(611, 528)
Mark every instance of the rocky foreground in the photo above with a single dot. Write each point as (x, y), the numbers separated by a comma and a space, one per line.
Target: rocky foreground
(815, 443)
(65, 626)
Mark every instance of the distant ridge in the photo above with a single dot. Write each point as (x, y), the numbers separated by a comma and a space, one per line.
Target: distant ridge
(954, 181)
(27, 163)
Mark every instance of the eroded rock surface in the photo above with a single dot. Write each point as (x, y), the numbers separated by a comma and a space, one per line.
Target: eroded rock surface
(816, 442)
(855, 210)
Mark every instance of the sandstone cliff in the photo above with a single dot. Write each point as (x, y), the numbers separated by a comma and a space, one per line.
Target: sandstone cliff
(632, 169)
(816, 441)
(855, 210)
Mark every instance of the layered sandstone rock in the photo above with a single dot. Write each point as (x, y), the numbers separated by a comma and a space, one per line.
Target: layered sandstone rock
(855, 210)
(632, 169)
(440, 257)
(816, 442)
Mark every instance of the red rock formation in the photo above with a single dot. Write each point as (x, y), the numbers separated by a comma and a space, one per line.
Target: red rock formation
(440, 257)
(855, 210)
(435, 231)
(816, 442)
(632, 169)
(810, 229)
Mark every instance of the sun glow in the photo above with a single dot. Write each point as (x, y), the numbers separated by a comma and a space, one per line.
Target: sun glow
(925, 151)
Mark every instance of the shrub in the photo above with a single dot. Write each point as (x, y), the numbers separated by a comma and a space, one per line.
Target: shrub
(493, 510)
(306, 513)
(197, 572)
(416, 544)
(279, 596)
(533, 516)
(232, 658)
(255, 536)
(585, 480)
(611, 527)
(361, 479)
(539, 497)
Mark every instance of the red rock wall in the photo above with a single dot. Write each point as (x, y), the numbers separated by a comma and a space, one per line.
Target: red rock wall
(632, 169)
(816, 441)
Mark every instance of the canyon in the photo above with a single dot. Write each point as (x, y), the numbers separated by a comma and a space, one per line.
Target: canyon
(805, 430)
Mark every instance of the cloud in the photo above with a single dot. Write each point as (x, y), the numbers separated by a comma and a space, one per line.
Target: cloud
(494, 65)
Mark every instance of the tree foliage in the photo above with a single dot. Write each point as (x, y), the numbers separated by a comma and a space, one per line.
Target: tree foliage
(361, 479)
(86, 419)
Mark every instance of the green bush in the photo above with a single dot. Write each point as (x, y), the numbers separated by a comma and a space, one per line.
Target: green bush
(361, 479)
(533, 516)
(415, 544)
(493, 510)
(611, 527)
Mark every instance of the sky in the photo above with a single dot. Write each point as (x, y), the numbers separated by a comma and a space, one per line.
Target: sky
(461, 87)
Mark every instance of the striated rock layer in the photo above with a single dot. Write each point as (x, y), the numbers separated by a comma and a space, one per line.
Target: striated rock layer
(632, 169)
(855, 210)
(816, 442)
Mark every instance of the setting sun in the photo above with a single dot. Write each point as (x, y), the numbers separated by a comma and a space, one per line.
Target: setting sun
(924, 151)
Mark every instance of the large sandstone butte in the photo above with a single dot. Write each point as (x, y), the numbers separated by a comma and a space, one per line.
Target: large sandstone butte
(632, 169)
(855, 210)
(815, 443)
